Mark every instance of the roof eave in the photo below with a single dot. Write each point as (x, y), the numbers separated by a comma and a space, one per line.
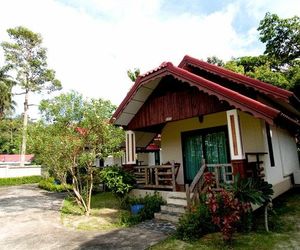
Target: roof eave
(260, 86)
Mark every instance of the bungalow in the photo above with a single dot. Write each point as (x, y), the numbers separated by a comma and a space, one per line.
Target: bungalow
(210, 116)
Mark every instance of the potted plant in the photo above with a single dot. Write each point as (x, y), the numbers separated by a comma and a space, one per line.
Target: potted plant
(136, 205)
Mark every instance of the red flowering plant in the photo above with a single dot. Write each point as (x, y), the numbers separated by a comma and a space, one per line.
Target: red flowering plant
(225, 209)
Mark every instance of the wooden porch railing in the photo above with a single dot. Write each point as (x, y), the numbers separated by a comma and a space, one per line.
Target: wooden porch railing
(193, 191)
(157, 177)
(222, 173)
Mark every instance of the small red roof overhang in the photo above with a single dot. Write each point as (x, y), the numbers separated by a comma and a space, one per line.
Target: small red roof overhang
(15, 158)
(260, 86)
(234, 98)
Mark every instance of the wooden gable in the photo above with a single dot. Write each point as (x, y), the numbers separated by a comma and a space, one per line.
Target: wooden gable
(173, 100)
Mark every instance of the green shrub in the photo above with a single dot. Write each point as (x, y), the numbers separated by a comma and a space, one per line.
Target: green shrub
(19, 180)
(51, 185)
(250, 190)
(151, 204)
(128, 219)
(195, 224)
(117, 180)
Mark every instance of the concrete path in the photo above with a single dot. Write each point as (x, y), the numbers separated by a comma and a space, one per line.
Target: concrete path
(30, 219)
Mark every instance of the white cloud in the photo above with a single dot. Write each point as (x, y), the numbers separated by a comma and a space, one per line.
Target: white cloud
(283, 8)
(92, 47)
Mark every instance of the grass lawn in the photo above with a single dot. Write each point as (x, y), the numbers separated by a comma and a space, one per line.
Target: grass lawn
(105, 214)
(284, 225)
(13, 181)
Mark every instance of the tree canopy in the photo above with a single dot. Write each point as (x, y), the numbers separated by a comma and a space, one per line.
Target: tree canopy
(27, 59)
(281, 36)
(6, 84)
(133, 74)
(10, 135)
(73, 133)
(280, 63)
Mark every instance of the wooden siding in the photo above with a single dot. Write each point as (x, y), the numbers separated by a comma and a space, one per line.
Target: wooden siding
(173, 100)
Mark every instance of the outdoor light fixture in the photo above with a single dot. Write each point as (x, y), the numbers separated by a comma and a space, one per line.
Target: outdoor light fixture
(200, 118)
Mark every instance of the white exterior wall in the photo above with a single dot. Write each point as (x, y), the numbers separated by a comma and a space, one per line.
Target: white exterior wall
(286, 160)
(151, 159)
(16, 171)
(171, 149)
(252, 133)
(144, 157)
(111, 161)
(288, 152)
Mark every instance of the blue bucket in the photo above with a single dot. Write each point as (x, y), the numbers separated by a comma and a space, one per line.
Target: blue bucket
(136, 208)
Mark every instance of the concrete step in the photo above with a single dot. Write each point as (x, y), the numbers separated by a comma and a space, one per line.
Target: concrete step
(177, 201)
(168, 216)
(173, 208)
(178, 194)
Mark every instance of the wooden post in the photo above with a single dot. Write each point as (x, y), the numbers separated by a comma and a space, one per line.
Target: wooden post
(217, 177)
(146, 176)
(156, 176)
(173, 178)
(188, 196)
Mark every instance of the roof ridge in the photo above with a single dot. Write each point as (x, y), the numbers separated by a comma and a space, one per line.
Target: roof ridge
(261, 86)
(162, 65)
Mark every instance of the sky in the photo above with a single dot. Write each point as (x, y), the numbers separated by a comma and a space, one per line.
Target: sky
(92, 43)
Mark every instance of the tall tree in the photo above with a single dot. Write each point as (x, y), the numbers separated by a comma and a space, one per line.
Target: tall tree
(6, 84)
(28, 59)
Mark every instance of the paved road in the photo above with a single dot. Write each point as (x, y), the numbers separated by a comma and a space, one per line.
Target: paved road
(30, 219)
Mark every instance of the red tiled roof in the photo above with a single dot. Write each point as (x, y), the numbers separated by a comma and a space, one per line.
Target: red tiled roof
(164, 64)
(15, 158)
(260, 86)
(222, 93)
(152, 147)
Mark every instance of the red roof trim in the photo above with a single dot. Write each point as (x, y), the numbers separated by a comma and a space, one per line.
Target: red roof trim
(234, 98)
(242, 79)
(150, 75)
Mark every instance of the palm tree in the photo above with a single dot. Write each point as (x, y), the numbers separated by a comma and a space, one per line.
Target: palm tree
(6, 83)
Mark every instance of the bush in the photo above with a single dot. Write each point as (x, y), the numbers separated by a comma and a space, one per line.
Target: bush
(195, 224)
(151, 204)
(51, 185)
(250, 190)
(19, 180)
(117, 180)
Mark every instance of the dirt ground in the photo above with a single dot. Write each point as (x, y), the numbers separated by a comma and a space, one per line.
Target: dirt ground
(30, 219)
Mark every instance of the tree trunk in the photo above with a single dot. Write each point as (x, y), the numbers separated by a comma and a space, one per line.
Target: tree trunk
(24, 133)
(90, 193)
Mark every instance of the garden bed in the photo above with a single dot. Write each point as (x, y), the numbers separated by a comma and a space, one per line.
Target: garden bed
(284, 234)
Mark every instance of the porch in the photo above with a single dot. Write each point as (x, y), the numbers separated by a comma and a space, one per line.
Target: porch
(163, 177)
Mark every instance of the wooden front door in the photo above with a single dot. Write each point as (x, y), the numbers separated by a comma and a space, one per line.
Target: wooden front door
(210, 144)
